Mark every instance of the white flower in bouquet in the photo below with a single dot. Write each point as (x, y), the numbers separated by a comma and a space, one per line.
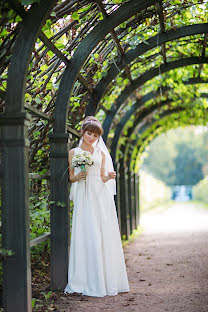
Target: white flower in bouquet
(82, 160)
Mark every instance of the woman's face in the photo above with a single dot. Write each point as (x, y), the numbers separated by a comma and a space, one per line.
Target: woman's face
(90, 137)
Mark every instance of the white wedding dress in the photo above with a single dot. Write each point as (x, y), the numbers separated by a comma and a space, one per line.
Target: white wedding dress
(96, 260)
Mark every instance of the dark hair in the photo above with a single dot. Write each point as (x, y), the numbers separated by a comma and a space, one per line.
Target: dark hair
(92, 124)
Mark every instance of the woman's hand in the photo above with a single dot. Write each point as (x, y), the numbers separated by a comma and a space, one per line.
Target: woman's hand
(81, 175)
(112, 175)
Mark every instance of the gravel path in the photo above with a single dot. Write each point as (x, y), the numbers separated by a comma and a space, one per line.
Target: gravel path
(167, 267)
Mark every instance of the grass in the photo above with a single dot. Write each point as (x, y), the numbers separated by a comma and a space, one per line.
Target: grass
(134, 234)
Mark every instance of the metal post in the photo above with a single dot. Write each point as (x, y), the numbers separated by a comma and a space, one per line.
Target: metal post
(117, 199)
(60, 228)
(0, 175)
(123, 208)
(129, 197)
(15, 212)
(133, 202)
(128, 210)
(137, 203)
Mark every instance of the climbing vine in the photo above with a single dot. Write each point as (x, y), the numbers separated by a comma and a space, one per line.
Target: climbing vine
(68, 25)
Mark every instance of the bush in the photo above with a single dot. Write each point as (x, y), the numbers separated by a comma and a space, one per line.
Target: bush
(152, 191)
(200, 190)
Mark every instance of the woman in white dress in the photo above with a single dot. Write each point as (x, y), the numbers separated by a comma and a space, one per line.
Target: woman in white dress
(96, 260)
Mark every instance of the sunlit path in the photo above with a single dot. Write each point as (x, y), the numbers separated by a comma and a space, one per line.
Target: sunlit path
(167, 267)
(180, 217)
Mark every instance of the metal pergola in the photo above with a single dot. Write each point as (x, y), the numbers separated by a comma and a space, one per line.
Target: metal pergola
(101, 36)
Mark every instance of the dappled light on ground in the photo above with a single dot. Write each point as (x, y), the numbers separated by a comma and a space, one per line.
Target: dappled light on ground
(178, 217)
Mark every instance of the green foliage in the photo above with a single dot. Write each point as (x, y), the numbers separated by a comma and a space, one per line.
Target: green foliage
(28, 2)
(178, 156)
(153, 192)
(6, 253)
(200, 191)
(39, 212)
(46, 70)
(188, 169)
(39, 205)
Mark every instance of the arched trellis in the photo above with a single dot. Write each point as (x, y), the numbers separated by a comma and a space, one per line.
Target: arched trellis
(129, 208)
(144, 78)
(146, 111)
(82, 52)
(141, 103)
(139, 126)
(142, 139)
(15, 106)
(135, 53)
(14, 142)
(61, 107)
(136, 142)
(128, 180)
(14, 145)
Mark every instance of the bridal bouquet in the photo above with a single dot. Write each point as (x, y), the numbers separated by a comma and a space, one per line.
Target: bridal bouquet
(82, 160)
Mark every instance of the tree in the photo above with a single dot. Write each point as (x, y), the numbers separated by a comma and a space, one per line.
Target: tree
(179, 156)
(188, 169)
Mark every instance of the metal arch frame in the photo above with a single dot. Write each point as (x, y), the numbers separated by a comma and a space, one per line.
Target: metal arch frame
(155, 121)
(145, 126)
(140, 49)
(127, 185)
(128, 203)
(14, 145)
(18, 141)
(148, 125)
(15, 104)
(137, 105)
(156, 134)
(59, 153)
(15, 110)
(142, 127)
(127, 10)
(29, 31)
(148, 111)
(59, 139)
(124, 148)
(148, 75)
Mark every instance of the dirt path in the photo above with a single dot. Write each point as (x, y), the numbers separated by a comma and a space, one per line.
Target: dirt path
(167, 267)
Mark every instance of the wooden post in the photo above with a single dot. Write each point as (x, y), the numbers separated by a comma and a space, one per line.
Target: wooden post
(15, 212)
(60, 228)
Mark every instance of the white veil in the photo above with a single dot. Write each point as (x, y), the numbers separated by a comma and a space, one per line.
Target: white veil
(108, 164)
(111, 184)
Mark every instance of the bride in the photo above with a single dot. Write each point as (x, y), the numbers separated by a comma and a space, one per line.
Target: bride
(96, 260)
